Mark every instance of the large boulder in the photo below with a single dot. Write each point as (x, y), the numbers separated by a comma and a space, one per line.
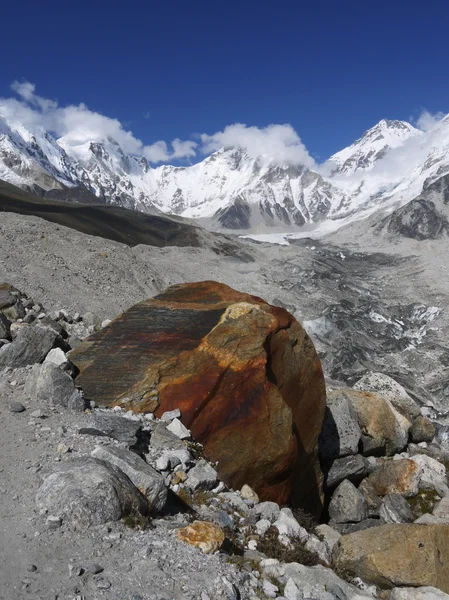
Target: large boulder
(87, 491)
(244, 374)
(31, 345)
(396, 555)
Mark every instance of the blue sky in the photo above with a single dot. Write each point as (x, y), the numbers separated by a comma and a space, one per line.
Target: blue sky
(167, 70)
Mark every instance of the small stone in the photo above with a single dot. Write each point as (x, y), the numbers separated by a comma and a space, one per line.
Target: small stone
(178, 429)
(262, 526)
(248, 493)
(75, 571)
(169, 415)
(63, 449)
(16, 407)
(37, 414)
(267, 510)
(53, 522)
(31, 568)
(103, 584)
(94, 568)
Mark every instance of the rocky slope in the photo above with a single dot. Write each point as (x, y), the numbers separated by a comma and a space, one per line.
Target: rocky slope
(78, 486)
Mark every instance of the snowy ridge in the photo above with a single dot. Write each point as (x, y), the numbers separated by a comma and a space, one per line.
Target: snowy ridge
(383, 170)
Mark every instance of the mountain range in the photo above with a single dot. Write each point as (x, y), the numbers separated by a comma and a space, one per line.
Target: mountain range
(389, 166)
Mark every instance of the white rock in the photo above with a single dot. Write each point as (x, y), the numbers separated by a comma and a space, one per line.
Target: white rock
(313, 544)
(262, 526)
(269, 589)
(291, 590)
(57, 357)
(421, 593)
(330, 536)
(287, 525)
(169, 415)
(432, 473)
(248, 493)
(179, 429)
(252, 545)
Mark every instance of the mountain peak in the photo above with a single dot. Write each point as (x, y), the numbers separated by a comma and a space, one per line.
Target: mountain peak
(372, 146)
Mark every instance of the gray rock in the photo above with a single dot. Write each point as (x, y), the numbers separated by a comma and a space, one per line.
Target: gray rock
(354, 468)
(16, 407)
(202, 476)
(113, 426)
(235, 501)
(54, 325)
(390, 390)
(347, 505)
(347, 528)
(169, 415)
(322, 583)
(143, 476)
(395, 509)
(93, 568)
(422, 430)
(162, 438)
(267, 510)
(90, 319)
(15, 311)
(5, 327)
(329, 535)
(373, 501)
(58, 358)
(48, 383)
(441, 510)
(31, 345)
(340, 433)
(57, 387)
(420, 593)
(178, 429)
(7, 299)
(432, 474)
(87, 491)
(287, 525)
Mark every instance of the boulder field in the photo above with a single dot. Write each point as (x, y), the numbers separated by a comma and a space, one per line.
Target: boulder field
(243, 373)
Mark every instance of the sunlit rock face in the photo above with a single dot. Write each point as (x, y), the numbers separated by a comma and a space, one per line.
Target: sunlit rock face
(244, 374)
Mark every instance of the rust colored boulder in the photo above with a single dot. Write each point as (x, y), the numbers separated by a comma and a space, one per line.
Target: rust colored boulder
(244, 374)
(202, 534)
(396, 555)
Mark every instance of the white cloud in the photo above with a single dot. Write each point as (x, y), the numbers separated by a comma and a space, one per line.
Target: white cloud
(427, 121)
(78, 125)
(273, 144)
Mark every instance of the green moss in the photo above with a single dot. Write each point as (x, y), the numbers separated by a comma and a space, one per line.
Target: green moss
(136, 522)
(423, 502)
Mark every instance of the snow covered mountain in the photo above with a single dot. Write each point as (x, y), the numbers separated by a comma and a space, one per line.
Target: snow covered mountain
(363, 154)
(383, 170)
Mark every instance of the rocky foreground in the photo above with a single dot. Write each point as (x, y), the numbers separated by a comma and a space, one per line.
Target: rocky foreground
(109, 503)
